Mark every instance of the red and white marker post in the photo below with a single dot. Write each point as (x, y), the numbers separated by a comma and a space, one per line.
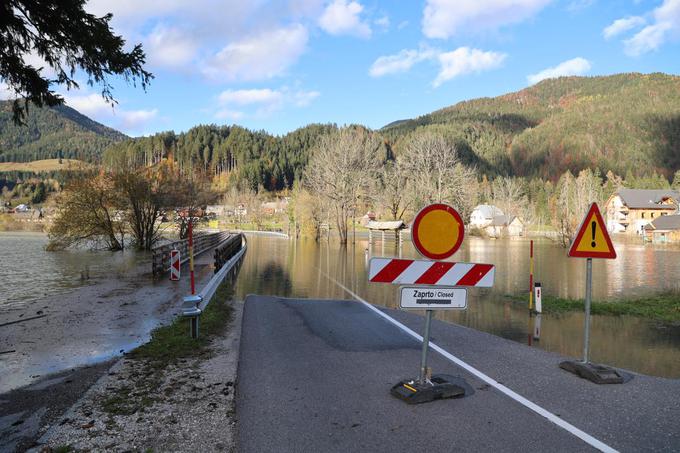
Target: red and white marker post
(174, 265)
(191, 254)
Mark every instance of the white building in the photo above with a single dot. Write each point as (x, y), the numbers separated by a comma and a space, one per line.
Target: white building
(505, 226)
(483, 215)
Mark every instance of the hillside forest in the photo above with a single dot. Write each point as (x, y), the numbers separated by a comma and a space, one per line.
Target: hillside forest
(520, 149)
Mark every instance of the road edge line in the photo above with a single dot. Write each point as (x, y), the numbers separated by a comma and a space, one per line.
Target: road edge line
(587, 438)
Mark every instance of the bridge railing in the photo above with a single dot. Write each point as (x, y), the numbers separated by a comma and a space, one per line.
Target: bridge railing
(230, 253)
(227, 249)
(202, 242)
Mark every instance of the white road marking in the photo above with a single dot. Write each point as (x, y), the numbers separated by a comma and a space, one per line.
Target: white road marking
(587, 438)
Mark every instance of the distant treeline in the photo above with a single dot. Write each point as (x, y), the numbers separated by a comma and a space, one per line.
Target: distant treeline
(627, 124)
(254, 158)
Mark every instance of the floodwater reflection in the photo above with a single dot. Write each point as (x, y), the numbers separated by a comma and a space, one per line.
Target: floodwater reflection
(298, 268)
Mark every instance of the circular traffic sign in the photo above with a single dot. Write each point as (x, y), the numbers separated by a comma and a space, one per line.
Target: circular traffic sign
(437, 231)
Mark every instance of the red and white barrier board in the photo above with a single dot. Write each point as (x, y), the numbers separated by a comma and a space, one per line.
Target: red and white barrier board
(425, 272)
(174, 265)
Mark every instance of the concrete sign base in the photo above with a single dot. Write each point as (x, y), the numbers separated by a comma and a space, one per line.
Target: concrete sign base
(594, 372)
(441, 386)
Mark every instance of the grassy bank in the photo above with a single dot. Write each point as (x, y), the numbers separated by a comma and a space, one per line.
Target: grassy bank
(172, 342)
(169, 345)
(663, 307)
(8, 223)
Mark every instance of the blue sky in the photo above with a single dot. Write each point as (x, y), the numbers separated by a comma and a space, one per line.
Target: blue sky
(279, 65)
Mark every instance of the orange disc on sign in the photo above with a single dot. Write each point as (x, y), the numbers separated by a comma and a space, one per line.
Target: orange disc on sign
(437, 231)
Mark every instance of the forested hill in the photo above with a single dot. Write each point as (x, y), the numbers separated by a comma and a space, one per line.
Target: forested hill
(253, 157)
(624, 123)
(51, 133)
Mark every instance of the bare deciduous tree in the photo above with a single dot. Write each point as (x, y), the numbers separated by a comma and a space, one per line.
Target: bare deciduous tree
(574, 196)
(437, 175)
(341, 169)
(508, 195)
(391, 188)
(307, 212)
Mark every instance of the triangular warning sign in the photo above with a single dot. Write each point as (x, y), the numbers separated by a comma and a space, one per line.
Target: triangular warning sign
(592, 239)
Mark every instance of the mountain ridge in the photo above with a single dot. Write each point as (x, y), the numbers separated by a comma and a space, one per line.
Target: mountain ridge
(623, 122)
(53, 132)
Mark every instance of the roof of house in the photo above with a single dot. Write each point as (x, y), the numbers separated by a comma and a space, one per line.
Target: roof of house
(665, 222)
(502, 220)
(488, 211)
(391, 225)
(647, 198)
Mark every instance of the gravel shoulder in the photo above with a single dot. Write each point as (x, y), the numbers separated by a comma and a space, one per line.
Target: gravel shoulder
(187, 406)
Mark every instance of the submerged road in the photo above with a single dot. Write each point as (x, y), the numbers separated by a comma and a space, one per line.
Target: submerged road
(315, 376)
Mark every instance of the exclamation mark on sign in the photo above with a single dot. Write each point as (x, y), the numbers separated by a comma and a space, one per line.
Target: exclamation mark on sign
(593, 225)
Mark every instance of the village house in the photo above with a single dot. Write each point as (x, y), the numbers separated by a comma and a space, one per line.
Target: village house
(368, 217)
(505, 226)
(482, 216)
(629, 210)
(663, 230)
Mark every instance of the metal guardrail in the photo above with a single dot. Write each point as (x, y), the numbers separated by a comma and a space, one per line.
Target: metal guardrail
(202, 242)
(227, 249)
(194, 305)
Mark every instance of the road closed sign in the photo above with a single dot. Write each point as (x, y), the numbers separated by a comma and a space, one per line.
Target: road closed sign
(437, 231)
(432, 298)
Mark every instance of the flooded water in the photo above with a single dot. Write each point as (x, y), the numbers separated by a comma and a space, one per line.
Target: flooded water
(28, 272)
(300, 268)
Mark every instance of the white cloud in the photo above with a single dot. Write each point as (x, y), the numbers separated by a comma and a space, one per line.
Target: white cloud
(92, 105)
(226, 114)
(266, 55)
(445, 18)
(466, 61)
(6, 93)
(135, 120)
(622, 25)
(304, 98)
(133, 10)
(383, 22)
(262, 101)
(245, 97)
(578, 5)
(666, 27)
(95, 107)
(207, 36)
(575, 66)
(401, 62)
(648, 39)
(170, 47)
(342, 18)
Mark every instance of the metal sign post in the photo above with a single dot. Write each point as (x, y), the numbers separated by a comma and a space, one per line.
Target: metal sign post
(589, 290)
(424, 374)
(592, 241)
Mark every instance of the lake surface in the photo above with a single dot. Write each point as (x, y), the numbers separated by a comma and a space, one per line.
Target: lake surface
(28, 272)
(301, 268)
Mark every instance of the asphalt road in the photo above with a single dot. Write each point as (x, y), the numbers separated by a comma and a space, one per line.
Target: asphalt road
(314, 376)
